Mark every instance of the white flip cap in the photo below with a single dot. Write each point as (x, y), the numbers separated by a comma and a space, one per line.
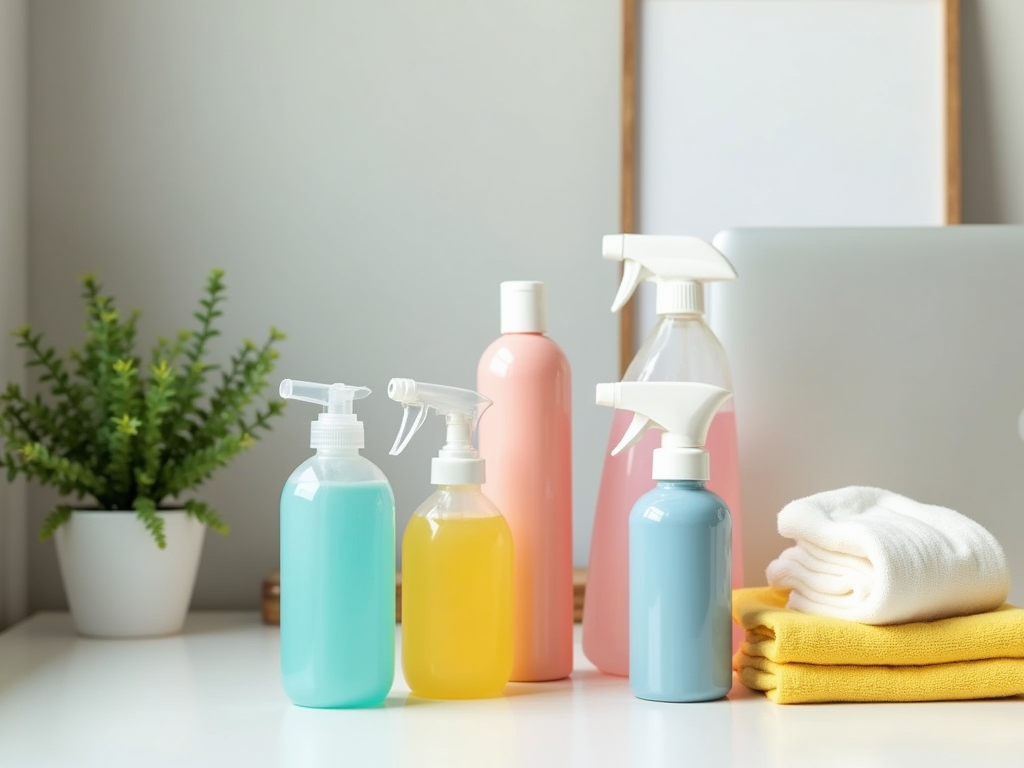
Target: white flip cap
(523, 307)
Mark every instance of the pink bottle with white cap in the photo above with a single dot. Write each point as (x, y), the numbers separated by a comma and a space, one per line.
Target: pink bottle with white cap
(526, 441)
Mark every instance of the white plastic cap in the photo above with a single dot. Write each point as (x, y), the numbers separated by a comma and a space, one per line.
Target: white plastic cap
(451, 471)
(523, 307)
(338, 426)
(458, 462)
(680, 464)
(330, 431)
(679, 298)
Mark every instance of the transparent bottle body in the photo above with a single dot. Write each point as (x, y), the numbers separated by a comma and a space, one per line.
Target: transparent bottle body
(457, 596)
(337, 572)
(680, 348)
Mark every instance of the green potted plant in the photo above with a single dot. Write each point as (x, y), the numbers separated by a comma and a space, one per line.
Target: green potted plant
(127, 439)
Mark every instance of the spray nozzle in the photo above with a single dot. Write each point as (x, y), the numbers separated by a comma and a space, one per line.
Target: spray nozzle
(458, 463)
(683, 410)
(461, 408)
(677, 264)
(337, 426)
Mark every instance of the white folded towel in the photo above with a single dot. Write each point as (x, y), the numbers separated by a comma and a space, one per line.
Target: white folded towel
(876, 557)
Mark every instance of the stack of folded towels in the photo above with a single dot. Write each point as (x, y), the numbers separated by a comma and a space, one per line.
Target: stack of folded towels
(881, 599)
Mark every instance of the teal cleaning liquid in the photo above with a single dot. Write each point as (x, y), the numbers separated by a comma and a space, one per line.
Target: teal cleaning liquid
(337, 591)
(680, 594)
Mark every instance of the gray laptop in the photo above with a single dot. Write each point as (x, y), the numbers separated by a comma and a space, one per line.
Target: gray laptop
(891, 357)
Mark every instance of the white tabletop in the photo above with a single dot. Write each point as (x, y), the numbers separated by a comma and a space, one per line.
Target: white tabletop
(212, 697)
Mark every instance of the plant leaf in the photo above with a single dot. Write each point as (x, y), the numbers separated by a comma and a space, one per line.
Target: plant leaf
(145, 510)
(55, 520)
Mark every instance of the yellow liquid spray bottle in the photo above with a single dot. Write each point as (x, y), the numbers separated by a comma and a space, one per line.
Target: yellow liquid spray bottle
(456, 560)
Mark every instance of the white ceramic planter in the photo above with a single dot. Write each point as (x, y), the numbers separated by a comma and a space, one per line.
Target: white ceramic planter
(118, 582)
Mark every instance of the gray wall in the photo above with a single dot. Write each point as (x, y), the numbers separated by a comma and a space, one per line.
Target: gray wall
(13, 246)
(992, 123)
(366, 172)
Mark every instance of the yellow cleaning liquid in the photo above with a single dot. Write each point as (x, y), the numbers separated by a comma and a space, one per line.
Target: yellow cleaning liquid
(457, 605)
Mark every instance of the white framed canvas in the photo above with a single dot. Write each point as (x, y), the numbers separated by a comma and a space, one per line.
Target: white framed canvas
(786, 113)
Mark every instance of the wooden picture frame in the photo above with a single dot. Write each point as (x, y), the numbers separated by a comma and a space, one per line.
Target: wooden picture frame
(945, 30)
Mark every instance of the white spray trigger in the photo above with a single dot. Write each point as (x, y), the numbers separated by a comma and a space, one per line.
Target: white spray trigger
(421, 416)
(669, 261)
(458, 462)
(633, 273)
(636, 430)
(683, 410)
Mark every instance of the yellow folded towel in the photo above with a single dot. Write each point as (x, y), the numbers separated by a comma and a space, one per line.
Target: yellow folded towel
(807, 683)
(783, 635)
(799, 658)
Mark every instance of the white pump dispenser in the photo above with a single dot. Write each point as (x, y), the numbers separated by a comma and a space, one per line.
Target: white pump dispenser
(679, 266)
(684, 411)
(458, 462)
(337, 427)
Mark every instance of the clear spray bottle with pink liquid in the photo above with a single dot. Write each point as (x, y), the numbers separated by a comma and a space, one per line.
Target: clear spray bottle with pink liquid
(681, 347)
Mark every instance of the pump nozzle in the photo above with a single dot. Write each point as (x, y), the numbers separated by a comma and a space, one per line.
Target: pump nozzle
(337, 397)
(458, 462)
(683, 410)
(337, 426)
(677, 264)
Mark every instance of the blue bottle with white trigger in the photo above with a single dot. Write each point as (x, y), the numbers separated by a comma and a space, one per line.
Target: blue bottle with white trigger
(337, 562)
(680, 548)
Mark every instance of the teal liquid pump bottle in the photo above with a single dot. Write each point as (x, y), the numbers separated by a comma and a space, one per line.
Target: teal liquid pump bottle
(337, 562)
(680, 548)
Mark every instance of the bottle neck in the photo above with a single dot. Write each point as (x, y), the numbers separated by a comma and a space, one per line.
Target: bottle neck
(344, 453)
(681, 317)
(681, 347)
(693, 485)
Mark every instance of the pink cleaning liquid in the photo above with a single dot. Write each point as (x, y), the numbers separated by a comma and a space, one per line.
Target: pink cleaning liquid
(625, 479)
